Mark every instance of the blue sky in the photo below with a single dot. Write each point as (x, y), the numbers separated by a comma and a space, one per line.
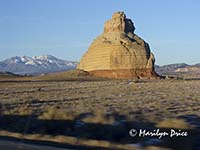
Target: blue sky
(65, 28)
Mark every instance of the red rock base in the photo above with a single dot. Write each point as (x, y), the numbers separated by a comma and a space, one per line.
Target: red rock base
(127, 74)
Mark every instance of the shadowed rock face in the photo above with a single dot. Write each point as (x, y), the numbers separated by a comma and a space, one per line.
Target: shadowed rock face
(118, 52)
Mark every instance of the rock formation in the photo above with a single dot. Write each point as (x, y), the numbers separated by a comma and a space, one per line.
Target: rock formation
(118, 52)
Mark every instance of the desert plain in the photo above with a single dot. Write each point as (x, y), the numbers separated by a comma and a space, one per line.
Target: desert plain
(100, 112)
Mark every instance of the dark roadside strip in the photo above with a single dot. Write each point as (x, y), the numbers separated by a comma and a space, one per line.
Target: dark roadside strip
(50, 144)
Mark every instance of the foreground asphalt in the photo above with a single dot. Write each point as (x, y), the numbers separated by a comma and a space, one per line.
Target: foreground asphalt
(14, 145)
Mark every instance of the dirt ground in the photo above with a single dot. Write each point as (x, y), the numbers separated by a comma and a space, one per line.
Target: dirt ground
(148, 103)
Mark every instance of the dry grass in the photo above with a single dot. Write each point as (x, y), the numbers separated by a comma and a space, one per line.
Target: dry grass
(152, 100)
(140, 101)
(71, 75)
(76, 141)
(174, 123)
(54, 113)
(99, 116)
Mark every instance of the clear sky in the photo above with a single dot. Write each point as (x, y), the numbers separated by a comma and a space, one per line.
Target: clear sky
(65, 28)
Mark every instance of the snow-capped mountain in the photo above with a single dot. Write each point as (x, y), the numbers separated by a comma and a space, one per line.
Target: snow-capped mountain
(35, 65)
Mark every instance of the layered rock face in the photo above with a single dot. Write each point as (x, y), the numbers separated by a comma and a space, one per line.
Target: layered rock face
(118, 52)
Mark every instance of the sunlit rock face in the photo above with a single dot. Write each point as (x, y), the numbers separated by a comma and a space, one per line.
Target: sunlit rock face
(118, 52)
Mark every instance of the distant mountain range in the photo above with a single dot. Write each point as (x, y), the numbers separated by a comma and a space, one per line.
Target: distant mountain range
(179, 68)
(35, 65)
(47, 64)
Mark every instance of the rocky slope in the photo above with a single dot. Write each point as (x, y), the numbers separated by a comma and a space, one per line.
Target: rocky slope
(118, 52)
(180, 68)
(189, 69)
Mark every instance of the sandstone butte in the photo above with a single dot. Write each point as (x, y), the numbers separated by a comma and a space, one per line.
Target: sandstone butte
(118, 52)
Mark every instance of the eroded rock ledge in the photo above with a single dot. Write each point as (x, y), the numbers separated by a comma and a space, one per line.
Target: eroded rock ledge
(118, 52)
